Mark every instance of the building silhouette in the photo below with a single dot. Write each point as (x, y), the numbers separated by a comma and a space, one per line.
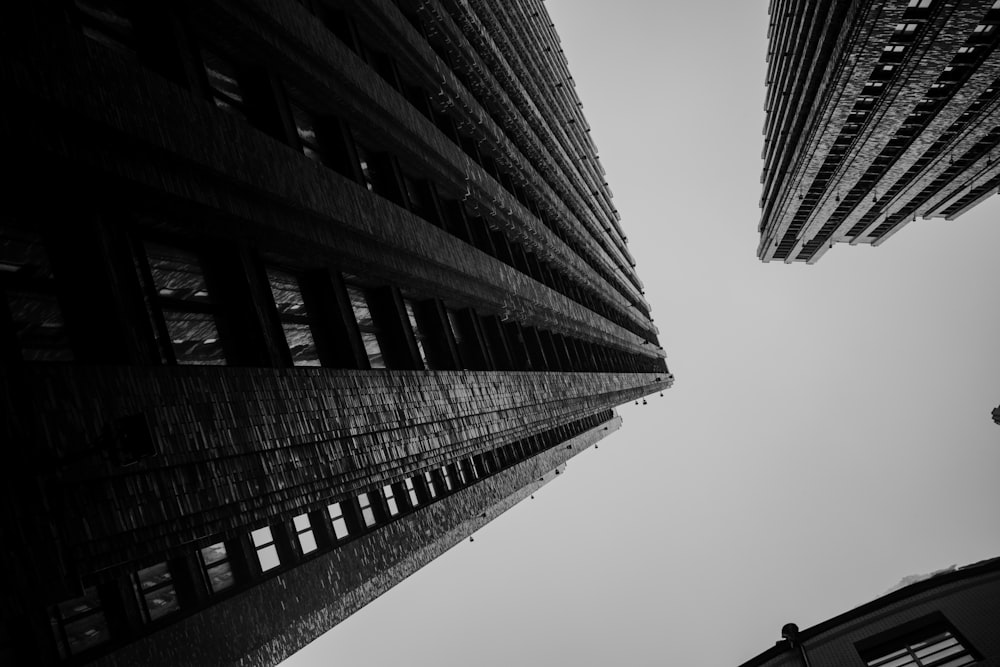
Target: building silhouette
(296, 295)
(949, 619)
(878, 112)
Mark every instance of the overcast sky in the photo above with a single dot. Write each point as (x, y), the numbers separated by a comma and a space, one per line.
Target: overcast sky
(829, 431)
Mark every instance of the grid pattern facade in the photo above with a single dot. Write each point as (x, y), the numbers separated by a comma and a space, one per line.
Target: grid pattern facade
(318, 289)
(878, 111)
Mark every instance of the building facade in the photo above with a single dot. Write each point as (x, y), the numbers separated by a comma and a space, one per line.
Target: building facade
(947, 620)
(878, 111)
(296, 295)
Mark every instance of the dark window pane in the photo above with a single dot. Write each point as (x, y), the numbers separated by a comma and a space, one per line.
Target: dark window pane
(305, 127)
(156, 591)
(26, 278)
(287, 293)
(214, 553)
(161, 602)
(107, 22)
(177, 274)
(195, 338)
(151, 577)
(373, 350)
(220, 577)
(79, 624)
(294, 318)
(360, 306)
(40, 329)
(362, 313)
(301, 344)
(224, 83)
(418, 334)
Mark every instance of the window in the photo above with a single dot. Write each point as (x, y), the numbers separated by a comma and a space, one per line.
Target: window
(336, 513)
(79, 624)
(932, 646)
(216, 568)
(983, 28)
(29, 289)
(919, 4)
(267, 552)
(187, 310)
(366, 325)
(223, 83)
(418, 334)
(411, 492)
(303, 528)
(366, 162)
(446, 478)
(107, 22)
(295, 320)
(367, 513)
(419, 195)
(907, 28)
(390, 500)
(893, 48)
(429, 482)
(305, 127)
(155, 592)
(469, 350)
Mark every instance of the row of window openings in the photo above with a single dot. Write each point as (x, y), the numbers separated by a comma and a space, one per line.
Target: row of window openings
(421, 101)
(327, 140)
(80, 624)
(893, 53)
(190, 323)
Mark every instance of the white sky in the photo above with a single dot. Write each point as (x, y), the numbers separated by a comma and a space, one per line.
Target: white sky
(829, 431)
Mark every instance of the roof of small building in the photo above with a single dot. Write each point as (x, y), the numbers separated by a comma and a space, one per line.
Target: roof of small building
(940, 578)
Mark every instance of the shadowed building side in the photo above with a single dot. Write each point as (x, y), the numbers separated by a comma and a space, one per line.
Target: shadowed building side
(309, 280)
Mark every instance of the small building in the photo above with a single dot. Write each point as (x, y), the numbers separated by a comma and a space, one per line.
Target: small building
(949, 619)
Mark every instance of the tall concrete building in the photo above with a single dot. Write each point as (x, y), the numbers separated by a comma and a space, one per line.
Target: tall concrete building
(295, 296)
(878, 112)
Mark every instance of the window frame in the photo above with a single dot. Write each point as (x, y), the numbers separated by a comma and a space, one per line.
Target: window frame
(340, 517)
(271, 544)
(59, 620)
(142, 593)
(206, 567)
(158, 305)
(308, 533)
(912, 638)
(305, 318)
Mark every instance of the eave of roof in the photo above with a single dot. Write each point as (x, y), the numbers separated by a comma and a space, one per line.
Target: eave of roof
(970, 571)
